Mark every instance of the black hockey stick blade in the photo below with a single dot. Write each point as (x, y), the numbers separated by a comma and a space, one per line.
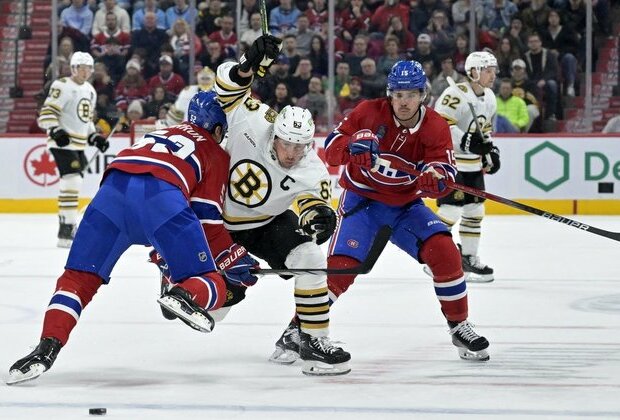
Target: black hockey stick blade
(378, 245)
(411, 169)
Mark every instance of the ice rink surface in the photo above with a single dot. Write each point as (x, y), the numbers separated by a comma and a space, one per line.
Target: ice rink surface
(552, 317)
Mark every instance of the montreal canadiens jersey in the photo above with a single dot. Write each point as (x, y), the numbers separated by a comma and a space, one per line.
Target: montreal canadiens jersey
(451, 106)
(70, 106)
(429, 142)
(186, 156)
(258, 187)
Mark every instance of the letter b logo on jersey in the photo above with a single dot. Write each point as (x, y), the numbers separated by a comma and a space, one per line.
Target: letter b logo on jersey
(249, 183)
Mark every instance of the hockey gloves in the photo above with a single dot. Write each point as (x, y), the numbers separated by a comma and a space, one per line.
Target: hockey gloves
(431, 184)
(100, 142)
(364, 148)
(319, 222)
(260, 55)
(60, 136)
(495, 163)
(236, 263)
(475, 143)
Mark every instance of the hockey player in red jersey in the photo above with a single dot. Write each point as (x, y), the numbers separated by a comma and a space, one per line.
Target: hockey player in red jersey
(399, 128)
(166, 191)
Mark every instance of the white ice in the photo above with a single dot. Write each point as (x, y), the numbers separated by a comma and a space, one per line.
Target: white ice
(552, 317)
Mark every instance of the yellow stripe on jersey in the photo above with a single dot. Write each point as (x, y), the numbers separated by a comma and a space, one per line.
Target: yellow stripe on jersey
(231, 220)
(309, 201)
(460, 159)
(53, 106)
(449, 120)
(220, 83)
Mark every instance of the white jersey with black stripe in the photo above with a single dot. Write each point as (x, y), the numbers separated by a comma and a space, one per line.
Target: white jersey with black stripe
(453, 107)
(70, 106)
(258, 187)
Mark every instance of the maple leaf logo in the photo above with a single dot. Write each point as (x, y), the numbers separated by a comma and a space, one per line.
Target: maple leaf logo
(39, 167)
(43, 166)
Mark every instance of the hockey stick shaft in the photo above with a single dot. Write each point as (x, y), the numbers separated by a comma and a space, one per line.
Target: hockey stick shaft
(454, 87)
(98, 152)
(378, 245)
(412, 170)
(262, 8)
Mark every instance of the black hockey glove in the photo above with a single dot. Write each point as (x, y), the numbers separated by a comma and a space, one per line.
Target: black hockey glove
(494, 155)
(475, 143)
(100, 142)
(319, 222)
(260, 55)
(234, 294)
(60, 136)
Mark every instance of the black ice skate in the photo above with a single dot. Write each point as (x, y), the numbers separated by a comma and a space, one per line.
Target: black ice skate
(37, 362)
(65, 235)
(287, 347)
(471, 346)
(164, 278)
(179, 302)
(321, 357)
(475, 271)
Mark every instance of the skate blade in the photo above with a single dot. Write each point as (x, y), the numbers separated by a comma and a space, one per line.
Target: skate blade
(284, 356)
(476, 356)
(16, 376)
(479, 278)
(195, 320)
(316, 368)
(64, 243)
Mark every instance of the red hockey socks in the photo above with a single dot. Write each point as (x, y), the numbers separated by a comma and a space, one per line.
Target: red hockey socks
(208, 290)
(338, 284)
(74, 290)
(444, 260)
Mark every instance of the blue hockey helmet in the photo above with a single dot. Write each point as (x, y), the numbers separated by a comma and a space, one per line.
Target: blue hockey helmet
(205, 111)
(406, 75)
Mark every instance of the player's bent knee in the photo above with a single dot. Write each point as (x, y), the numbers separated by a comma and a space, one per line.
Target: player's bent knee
(475, 210)
(307, 255)
(449, 214)
(442, 256)
(71, 182)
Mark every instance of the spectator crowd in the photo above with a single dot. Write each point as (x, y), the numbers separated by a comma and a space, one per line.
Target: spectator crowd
(142, 51)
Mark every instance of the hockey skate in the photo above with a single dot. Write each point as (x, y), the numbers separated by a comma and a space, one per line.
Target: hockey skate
(66, 232)
(470, 345)
(321, 357)
(164, 278)
(476, 271)
(37, 362)
(179, 303)
(287, 347)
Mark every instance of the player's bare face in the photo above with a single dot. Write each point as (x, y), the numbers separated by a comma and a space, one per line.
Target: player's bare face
(82, 73)
(406, 103)
(289, 154)
(487, 77)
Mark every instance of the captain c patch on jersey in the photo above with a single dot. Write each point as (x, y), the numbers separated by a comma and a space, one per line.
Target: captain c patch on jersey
(249, 183)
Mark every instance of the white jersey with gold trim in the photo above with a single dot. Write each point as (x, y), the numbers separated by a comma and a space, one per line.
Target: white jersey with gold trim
(451, 106)
(70, 106)
(258, 187)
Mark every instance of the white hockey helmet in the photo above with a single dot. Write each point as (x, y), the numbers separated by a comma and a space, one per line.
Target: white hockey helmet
(295, 125)
(479, 60)
(80, 58)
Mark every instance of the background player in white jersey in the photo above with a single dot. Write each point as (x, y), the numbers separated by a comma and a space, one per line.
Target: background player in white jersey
(178, 111)
(475, 154)
(272, 166)
(67, 115)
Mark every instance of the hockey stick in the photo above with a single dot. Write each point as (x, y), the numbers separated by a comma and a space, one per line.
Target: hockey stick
(382, 238)
(262, 8)
(98, 152)
(454, 87)
(412, 170)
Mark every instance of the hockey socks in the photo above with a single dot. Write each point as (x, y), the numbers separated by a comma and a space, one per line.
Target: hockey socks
(207, 291)
(74, 290)
(444, 260)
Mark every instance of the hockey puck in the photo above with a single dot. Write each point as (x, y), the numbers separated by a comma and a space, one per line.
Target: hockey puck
(97, 411)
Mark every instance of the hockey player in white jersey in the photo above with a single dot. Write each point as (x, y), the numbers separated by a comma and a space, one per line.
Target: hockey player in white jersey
(178, 112)
(475, 155)
(67, 116)
(273, 165)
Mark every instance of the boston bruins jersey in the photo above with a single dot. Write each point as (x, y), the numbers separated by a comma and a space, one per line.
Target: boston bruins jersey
(258, 187)
(70, 106)
(452, 107)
